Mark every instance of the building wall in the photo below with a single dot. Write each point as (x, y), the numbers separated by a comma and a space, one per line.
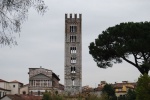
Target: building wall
(55, 82)
(73, 79)
(121, 93)
(5, 85)
(14, 87)
(4, 92)
(35, 71)
(10, 87)
(124, 88)
(24, 89)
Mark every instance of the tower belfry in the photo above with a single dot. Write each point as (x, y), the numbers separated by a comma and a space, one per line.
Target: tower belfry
(73, 54)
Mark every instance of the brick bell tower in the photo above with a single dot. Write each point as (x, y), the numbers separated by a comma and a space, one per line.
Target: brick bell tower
(73, 54)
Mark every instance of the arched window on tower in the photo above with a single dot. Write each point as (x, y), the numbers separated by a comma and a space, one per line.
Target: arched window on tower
(73, 50)
(73, 60)
(73, 28)
(73, 69)
(73, 38)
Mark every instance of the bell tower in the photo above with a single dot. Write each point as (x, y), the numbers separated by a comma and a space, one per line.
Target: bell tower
(73, 54)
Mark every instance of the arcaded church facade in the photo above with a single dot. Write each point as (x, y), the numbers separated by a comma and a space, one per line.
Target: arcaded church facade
(73, 54)
(41, 80)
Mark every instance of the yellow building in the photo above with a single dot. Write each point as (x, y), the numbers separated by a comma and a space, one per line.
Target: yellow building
(121, 89)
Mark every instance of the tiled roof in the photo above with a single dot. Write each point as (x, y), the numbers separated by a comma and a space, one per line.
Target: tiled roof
(98, 89)
(4, 89)
(23, 97)
(15, 81)
(121, 92)
(2, 80)
(40, 68)
(14, 97)
(31, 97)
(120, 85)
(56, 76)
(131, 87)
(39, 74)
(88, 90)
(25, 85)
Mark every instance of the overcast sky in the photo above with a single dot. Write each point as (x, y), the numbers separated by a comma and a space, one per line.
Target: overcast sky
(41, 41)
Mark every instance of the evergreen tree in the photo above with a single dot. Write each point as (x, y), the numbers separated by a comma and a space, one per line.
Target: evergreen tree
(131, 95)
(143, 88)
(110, 91)
(122, 41)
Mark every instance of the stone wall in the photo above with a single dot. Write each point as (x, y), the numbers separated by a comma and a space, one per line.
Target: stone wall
(73, 54)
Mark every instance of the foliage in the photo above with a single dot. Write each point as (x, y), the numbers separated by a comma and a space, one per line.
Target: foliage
(12, 14)
(122, 41)
(131, 95)
(46, 96)
(52, 96)
(91, 97)
(122, 97)
(80, 96)
(104, 96)
(110, 91)
(143, 88)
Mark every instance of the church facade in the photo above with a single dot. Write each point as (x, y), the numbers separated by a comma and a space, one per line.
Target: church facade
(41, 80)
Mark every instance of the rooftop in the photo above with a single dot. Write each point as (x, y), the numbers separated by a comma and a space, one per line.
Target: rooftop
(2, 80)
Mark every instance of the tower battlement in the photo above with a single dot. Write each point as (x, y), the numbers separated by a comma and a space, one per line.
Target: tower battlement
(71, 16)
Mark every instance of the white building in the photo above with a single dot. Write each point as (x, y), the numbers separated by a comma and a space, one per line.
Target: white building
(12, 87)
(4, 88)
(15, 87)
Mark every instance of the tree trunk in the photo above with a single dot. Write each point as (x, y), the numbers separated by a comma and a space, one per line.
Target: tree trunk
(143, 70)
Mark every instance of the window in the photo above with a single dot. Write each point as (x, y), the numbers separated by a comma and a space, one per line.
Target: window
(72, 38)
(73, 69)
(73, 59)
(38, 92)
(37, 82)
(73, 28)
(31, 92)
(3, 93)
(24, 92)
(73, 50)
(119, 89)
(13, 86)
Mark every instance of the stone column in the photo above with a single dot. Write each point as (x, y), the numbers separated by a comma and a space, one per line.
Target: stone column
(35, 83)
(29, 82)
(40, 83)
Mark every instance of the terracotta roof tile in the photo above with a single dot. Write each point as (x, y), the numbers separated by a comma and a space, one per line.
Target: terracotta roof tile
(15, 81)
(4, 89)
(23, 97)
(2, 80)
